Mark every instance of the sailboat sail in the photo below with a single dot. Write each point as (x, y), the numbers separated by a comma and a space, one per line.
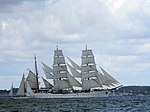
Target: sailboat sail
(73, 81)
(11, 91)
(29, 90)
(61, 80)
(76, 66)
(48, 74)
(31, 78)
(47, 84)
(108, 78)
(61, 84)
(88, 84)
(21, 90)
(47, 68)
(74, 72)
(89, 71)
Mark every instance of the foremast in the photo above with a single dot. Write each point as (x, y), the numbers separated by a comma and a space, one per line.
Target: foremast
(60, 72)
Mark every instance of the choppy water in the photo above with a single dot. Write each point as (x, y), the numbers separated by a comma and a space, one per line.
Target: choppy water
(110, 104)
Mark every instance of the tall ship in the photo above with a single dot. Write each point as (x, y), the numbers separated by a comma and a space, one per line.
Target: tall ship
(64, 80)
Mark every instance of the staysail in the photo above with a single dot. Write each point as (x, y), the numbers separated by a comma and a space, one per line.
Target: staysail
(76, 66)
(47, 84)
(48, 74)
(47, 68)
(73, 81)
(109, 80)
(21, 90)
(74, 72)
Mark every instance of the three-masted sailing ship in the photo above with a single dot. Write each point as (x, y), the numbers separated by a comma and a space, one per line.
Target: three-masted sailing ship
(89, 81)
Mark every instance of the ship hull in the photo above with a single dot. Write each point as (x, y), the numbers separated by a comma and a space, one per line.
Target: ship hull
(72, 95)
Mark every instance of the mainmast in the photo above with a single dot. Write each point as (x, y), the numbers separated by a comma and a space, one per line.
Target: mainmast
(89, 71)
(36, 73)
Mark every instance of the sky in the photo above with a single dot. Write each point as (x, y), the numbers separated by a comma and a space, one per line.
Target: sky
(118, 32)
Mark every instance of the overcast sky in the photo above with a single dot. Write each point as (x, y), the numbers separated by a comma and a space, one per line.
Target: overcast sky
(118, 32)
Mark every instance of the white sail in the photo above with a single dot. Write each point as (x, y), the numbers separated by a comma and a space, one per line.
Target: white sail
(48, 74)
(61, 80)
(61, 84)
(47, 68)
(60, 75)
(76, 66)
(47, 84)
(59, 68)
(89, 72)
(87, 52)
(11, 91)
(73, 81)
(101, 78)
(29, 90)
(21, 90)
(87, 60)
(88, 75)
(31, 78)
(59, 60)
(88, 84)
(88, 68)
(109, 79)
(58, 53)
(74, 72)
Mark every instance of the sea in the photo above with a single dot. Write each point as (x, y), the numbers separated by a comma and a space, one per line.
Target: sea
(110, 104)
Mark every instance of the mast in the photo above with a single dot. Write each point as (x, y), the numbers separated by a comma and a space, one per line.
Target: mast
(36, 73)
(60, 71)
(89, 71)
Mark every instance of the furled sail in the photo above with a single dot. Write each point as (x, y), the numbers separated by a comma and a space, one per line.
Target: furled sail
(31, 78)
(73, 81)
(21, 90)
(47, 84)
(101, 78)
(76, 66)
(74, 72)
(11, 91)
(61, 80)
(48, 74)
(109, 80)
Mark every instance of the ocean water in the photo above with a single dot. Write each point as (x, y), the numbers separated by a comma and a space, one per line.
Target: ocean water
(110, 104)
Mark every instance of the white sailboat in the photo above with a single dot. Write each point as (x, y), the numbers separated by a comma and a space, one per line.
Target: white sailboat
(86, 77)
